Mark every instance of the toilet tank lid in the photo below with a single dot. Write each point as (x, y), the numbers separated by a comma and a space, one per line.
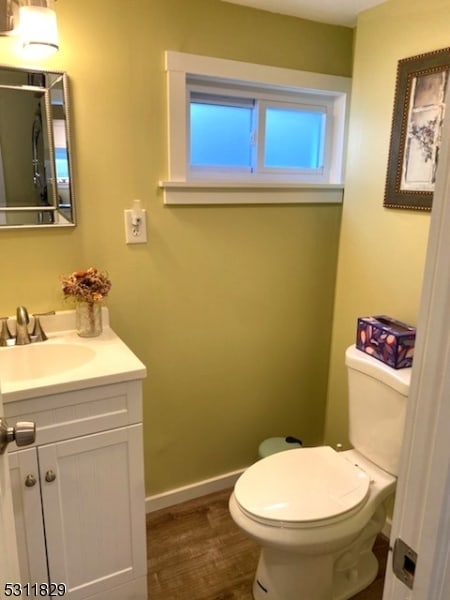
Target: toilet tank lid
(397, 379)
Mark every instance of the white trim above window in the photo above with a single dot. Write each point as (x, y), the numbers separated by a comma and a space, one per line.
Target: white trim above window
(270, 85)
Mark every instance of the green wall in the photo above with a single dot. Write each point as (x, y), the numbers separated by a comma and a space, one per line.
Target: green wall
(382, 251)
(230, 308)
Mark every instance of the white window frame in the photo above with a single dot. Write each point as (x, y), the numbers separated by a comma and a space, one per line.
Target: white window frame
(182, 187)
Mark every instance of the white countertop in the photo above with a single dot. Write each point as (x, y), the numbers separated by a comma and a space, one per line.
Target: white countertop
(97, 361)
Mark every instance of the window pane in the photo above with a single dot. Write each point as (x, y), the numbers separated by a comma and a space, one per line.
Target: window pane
(220, 135)
(294, 138)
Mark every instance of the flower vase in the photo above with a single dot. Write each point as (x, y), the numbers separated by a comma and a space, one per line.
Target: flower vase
(88, 319)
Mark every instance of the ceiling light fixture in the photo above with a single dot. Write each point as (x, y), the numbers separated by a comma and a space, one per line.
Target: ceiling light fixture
(34, 21)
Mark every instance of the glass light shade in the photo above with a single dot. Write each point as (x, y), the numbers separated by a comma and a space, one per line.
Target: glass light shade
(39, 31)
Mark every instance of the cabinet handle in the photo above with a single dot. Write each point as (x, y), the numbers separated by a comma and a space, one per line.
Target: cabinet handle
(30, 480)
(50, 476)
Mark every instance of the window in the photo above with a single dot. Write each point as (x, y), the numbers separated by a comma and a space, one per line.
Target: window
(236, 125)
(221, 132)
(294, 138)
(228, 135)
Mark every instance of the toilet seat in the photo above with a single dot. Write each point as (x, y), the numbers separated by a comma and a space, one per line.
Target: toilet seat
(305, 487)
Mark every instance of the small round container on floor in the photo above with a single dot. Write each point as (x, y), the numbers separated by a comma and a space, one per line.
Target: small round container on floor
(275, 444)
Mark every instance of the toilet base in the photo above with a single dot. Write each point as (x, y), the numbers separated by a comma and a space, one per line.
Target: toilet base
(277, 578)
(287, 576)
(347, 585)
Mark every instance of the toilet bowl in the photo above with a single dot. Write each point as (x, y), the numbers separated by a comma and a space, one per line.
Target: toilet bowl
(316, 512)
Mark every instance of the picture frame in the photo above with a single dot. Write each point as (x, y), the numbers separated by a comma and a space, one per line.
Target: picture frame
(418, 114)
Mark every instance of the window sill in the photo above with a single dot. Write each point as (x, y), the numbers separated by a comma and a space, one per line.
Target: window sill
(225, 192)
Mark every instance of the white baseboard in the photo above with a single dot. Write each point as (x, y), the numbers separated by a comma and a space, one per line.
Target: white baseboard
(189, 492)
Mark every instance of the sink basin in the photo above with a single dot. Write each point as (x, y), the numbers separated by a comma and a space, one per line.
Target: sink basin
(41, 360)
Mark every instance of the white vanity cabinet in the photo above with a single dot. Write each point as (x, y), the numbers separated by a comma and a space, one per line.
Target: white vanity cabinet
(78, 492)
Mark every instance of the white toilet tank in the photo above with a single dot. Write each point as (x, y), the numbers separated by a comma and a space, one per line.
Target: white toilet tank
(377, 407)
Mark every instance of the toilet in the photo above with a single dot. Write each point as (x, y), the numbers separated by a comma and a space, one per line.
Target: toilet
(316, 512)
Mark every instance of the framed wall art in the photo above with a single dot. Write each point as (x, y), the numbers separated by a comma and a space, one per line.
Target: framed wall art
(419, 109)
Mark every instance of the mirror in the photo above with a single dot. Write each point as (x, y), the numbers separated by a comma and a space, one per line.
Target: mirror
(35, 158)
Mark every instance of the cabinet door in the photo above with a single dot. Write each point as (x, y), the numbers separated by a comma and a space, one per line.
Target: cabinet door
(27, 509)
(9, 564)
(94, 513)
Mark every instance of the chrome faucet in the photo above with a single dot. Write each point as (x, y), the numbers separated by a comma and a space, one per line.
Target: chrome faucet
(22, 320)
(23, 335)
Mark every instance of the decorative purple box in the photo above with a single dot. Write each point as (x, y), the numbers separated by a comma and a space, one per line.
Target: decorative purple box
(387, 339)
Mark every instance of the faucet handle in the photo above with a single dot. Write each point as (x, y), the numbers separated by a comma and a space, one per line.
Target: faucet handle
(5, 333)
(38, 333)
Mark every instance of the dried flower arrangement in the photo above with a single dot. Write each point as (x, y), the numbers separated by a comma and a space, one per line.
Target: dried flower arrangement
(89, 286)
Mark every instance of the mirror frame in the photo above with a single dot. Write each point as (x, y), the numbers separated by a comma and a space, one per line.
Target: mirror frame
(55, 214)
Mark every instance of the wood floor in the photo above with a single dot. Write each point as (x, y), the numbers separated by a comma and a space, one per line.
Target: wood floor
(196, 552)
